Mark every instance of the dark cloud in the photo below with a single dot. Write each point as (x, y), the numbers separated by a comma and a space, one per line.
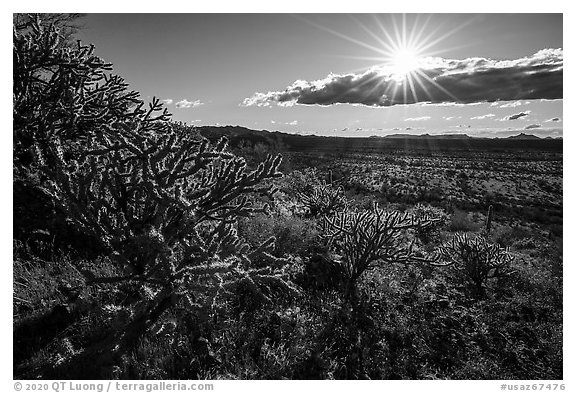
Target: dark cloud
(531, 126)
(553, 119)
(437, 81)
(517, 115)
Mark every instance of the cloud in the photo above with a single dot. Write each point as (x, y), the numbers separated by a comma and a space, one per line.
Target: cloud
(168, 101)
(553, 119)
(426, 103)
(437, 81)
(483, 116)
(291, 123)
(531, 126)
(517, 115)
(513, 104)
(185, 104)
(421, 118)
(451, 117)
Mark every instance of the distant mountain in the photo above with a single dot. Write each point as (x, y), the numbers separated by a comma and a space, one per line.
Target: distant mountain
(241, 137)
(428, 136)
(524, 136)
(239, 132)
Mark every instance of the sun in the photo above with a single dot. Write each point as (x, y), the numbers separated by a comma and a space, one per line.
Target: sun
(404, 61)
(406, 47)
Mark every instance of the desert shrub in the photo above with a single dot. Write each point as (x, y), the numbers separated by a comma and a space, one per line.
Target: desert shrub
(320, 272)
(47, 72)
(68, 24)
(438, 218)
(460, 222)
(476, 260)
(299, 181)
(294, 235)
(364, 240)
(158, 200)
(519, 237)
(324, 199)
(35, 285)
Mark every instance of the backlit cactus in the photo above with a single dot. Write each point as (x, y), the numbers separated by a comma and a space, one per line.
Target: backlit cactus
(160, 201)
(477, 260)
(364, 240)
(324, 199)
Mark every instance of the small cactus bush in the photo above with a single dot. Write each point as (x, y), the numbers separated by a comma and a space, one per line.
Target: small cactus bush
(324, 199)
(364, 240)
(477, 261)
(432, 231)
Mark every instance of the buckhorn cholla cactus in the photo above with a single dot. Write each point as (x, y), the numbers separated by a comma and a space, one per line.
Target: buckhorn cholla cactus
(367, 239)
(161, 201)
(63, 91)
(165, 207)
(324, 199)
(477, 259)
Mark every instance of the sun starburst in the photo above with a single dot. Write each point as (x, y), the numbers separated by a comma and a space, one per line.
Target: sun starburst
(403, 50)
(404, 61)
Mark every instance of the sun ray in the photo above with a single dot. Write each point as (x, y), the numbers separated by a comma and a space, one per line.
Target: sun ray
(398, 42)
(436, 84)
(422, 85)
(385, 32)
(372, 34)
(404, 30)
(445, 50)
(337, 34)
(448, 34)
(405, 46)
(411, 37)
(418, 37)
(381, 81)
(395, 91)
(411, 83)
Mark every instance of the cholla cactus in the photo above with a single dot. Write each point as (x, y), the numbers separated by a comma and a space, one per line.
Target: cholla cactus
(164, 207)
(364, 240)
(438, 216)
(477, 260)
(324, 199)
(63, 91)
(160, 201)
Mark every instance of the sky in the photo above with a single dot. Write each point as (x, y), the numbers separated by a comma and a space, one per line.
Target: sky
(488, 75)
